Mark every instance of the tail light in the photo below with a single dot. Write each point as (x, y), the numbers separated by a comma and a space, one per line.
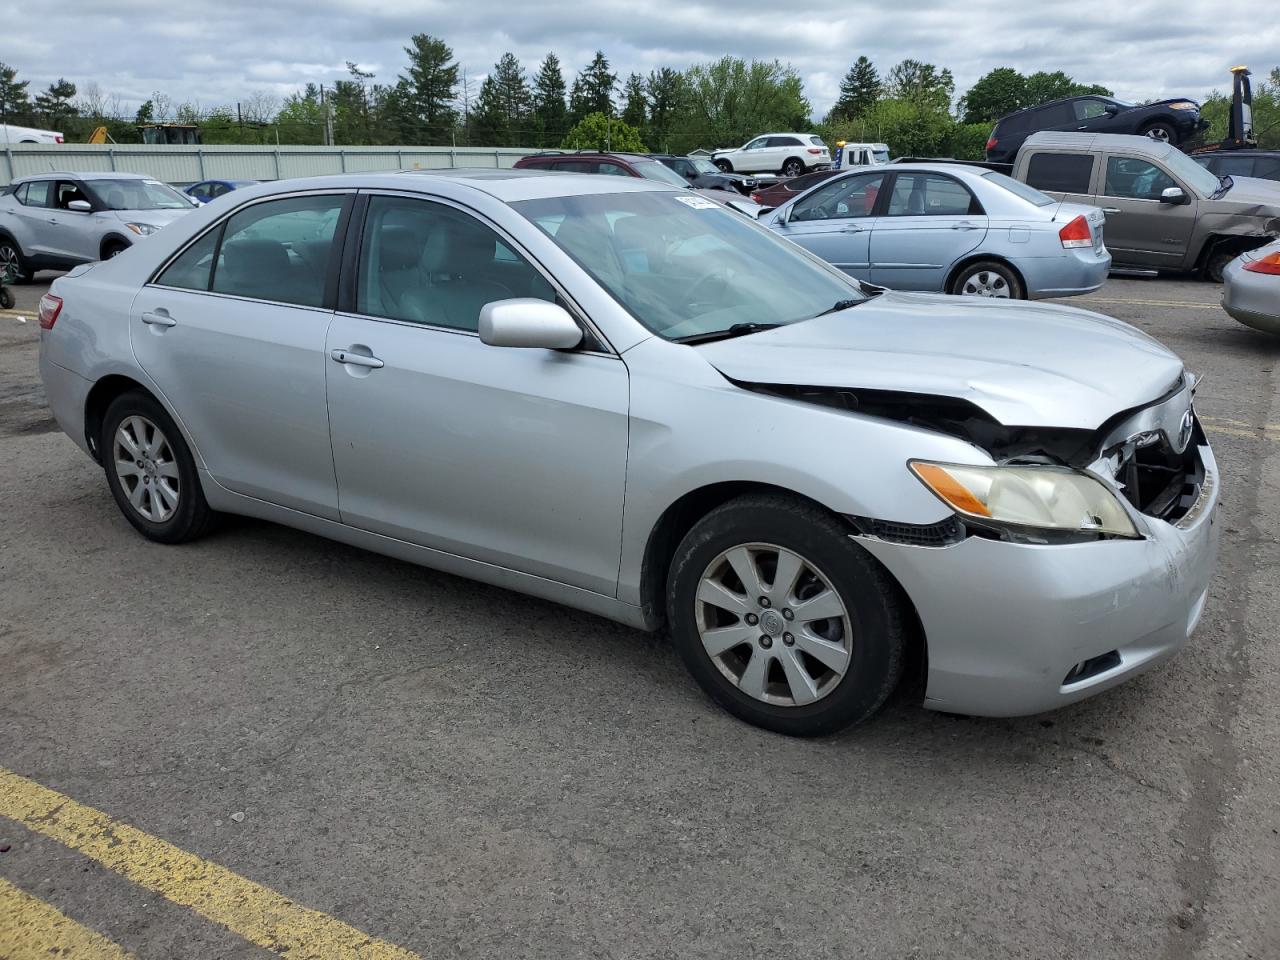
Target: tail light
(50, 307)
(1268, 264)
(58, 139)
(992, 144)
(1076, 234)
(757, 198)
(815, 150)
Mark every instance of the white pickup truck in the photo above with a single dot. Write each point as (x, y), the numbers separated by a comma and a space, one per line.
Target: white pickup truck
(13, 134)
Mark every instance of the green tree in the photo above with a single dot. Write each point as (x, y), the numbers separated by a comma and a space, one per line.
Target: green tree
(426, 92)
(146, 113)
(729, 100)
(504, 106)
(635, 107)
(909, 127)
(55, 105)
(665, 90)
(593, 89)
(921, 83)
(301, 119)
(859, 89)
(598, 131)
(551, 115)
(14, 101)
(1043, 87)
(1000, 92)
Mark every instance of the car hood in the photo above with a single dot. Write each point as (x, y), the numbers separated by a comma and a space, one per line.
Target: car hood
(1251, 195)
(158, 218)
(1024, 364)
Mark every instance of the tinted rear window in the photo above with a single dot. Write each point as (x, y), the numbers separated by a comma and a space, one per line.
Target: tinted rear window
(1060, 172)
(1018, 123)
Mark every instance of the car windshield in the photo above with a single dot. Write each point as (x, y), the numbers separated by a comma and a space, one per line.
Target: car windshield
(1187, 170)
(653, 170)
(136, 195)
(1030, 194)
(703, 165)
(881, 156)
(684, 266)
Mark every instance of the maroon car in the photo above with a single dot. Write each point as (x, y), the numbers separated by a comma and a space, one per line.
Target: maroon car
(618, 164)
(782, 191)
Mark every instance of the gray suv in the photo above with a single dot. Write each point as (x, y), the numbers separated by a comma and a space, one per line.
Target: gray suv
(55, 221)
(1164, 211)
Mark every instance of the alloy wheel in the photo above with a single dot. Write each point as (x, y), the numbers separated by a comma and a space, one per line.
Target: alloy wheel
(986, 283)
(773, 624)
(1159, 133)
(9, 259)
(146, 468)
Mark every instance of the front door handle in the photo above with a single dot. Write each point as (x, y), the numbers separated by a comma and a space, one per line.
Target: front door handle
(356, 359)
(1110, 209)
(52, 219)
(852, 228)
(160, 319)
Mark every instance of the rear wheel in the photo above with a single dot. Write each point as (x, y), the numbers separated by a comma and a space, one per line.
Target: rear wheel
(1164, 132)
(793, 167)
(151, 472)
(988, 279)
(1217, 263)
(782, 619)
(12, 260)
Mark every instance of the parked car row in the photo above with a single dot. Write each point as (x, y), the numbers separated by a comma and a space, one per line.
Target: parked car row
(809, 481)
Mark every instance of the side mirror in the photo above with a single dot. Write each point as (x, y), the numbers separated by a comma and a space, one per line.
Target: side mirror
(80, 206)
(1110, 109)
(525, 322)
(784, 214)
(1174, 195)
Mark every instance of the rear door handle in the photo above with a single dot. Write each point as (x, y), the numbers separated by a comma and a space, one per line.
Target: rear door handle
(159, 320)
(965, 225)
(356, 359)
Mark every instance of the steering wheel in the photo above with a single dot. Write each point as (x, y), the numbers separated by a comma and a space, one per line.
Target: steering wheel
(720, 279)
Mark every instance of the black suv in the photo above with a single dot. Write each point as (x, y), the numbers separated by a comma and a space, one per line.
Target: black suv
(1263, 164)
(1172, 121)
(705, 175)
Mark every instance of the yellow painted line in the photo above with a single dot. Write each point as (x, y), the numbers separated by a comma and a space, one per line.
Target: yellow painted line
(248, 909)
(31, 929)
(1249, 434)
(18, 314)
(1199, 305)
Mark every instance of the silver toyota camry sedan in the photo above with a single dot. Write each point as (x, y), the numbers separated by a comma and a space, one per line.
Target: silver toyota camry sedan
(625, 398)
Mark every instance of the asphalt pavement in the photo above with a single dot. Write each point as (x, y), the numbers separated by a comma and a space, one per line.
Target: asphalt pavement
(449, 769)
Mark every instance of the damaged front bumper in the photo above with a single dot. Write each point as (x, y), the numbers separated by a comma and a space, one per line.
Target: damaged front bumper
(1020, 628)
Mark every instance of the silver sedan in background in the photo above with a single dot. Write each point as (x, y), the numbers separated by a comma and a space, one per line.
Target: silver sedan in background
(1251, 291)
(949, 228)
(621, 396)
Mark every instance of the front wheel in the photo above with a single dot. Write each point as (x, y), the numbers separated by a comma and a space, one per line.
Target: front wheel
(1217, 263)
(1163, 132)
(792, 168)
(151, 472)
(988, 279)
(782, 619)
(724, 166)
(112, 250)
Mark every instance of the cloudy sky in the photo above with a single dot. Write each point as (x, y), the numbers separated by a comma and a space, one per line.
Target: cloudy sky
(218, 53)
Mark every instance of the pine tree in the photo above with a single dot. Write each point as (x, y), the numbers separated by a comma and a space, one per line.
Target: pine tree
(593, 89)
(551, 116)
(54, 105)
(634, 106)
(14, 102)
(427, 90)
(858, 91)
(664, 88)
(505, 104)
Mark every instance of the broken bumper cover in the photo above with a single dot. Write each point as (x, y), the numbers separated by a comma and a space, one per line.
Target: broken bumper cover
(1015, 629)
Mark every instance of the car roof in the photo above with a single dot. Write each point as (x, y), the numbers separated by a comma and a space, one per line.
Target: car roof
(1089, 142)
(1050, 103)
(1246, 152)
(83, 175)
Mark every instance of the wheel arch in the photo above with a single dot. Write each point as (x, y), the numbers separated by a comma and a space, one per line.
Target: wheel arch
(681, 516)
(112, 240)
(970, 259)
(1234, 243)
(100, 396)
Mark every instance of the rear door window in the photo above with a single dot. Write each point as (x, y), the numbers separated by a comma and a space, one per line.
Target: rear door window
(34, 194)
(280, 250)
(1060, 172)
(613, 169)
(1055, 115)
(930, 195)
(193, 269)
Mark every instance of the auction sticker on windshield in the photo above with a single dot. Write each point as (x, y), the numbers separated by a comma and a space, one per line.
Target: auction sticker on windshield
(699, 203)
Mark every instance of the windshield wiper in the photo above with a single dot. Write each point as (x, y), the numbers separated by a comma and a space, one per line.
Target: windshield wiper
(838, 306)
(737, 330)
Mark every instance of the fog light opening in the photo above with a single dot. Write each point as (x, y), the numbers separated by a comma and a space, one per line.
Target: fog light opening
(1088, 669)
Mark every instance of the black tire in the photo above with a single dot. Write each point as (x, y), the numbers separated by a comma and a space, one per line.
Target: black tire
(1217, 262)
(191, 518)
(873, 600)
(1162, 131)
(113, 248)
(6, 299)
(793, 167)
(1001, 276)
(12, 253)
(724, 165)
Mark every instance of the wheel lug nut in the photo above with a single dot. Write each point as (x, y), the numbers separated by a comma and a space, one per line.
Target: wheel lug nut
(789, 640)
(752, 619)
(787, 614)
(764, 602)
(766, 642)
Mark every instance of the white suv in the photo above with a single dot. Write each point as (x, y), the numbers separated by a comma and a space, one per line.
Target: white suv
(790, 154)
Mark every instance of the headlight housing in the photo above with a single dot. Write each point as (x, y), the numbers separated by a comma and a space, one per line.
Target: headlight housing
(1184, 105)
(1028, 498)
(142, 229)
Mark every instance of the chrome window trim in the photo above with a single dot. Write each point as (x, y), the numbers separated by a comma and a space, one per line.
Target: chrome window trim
(575, 310)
